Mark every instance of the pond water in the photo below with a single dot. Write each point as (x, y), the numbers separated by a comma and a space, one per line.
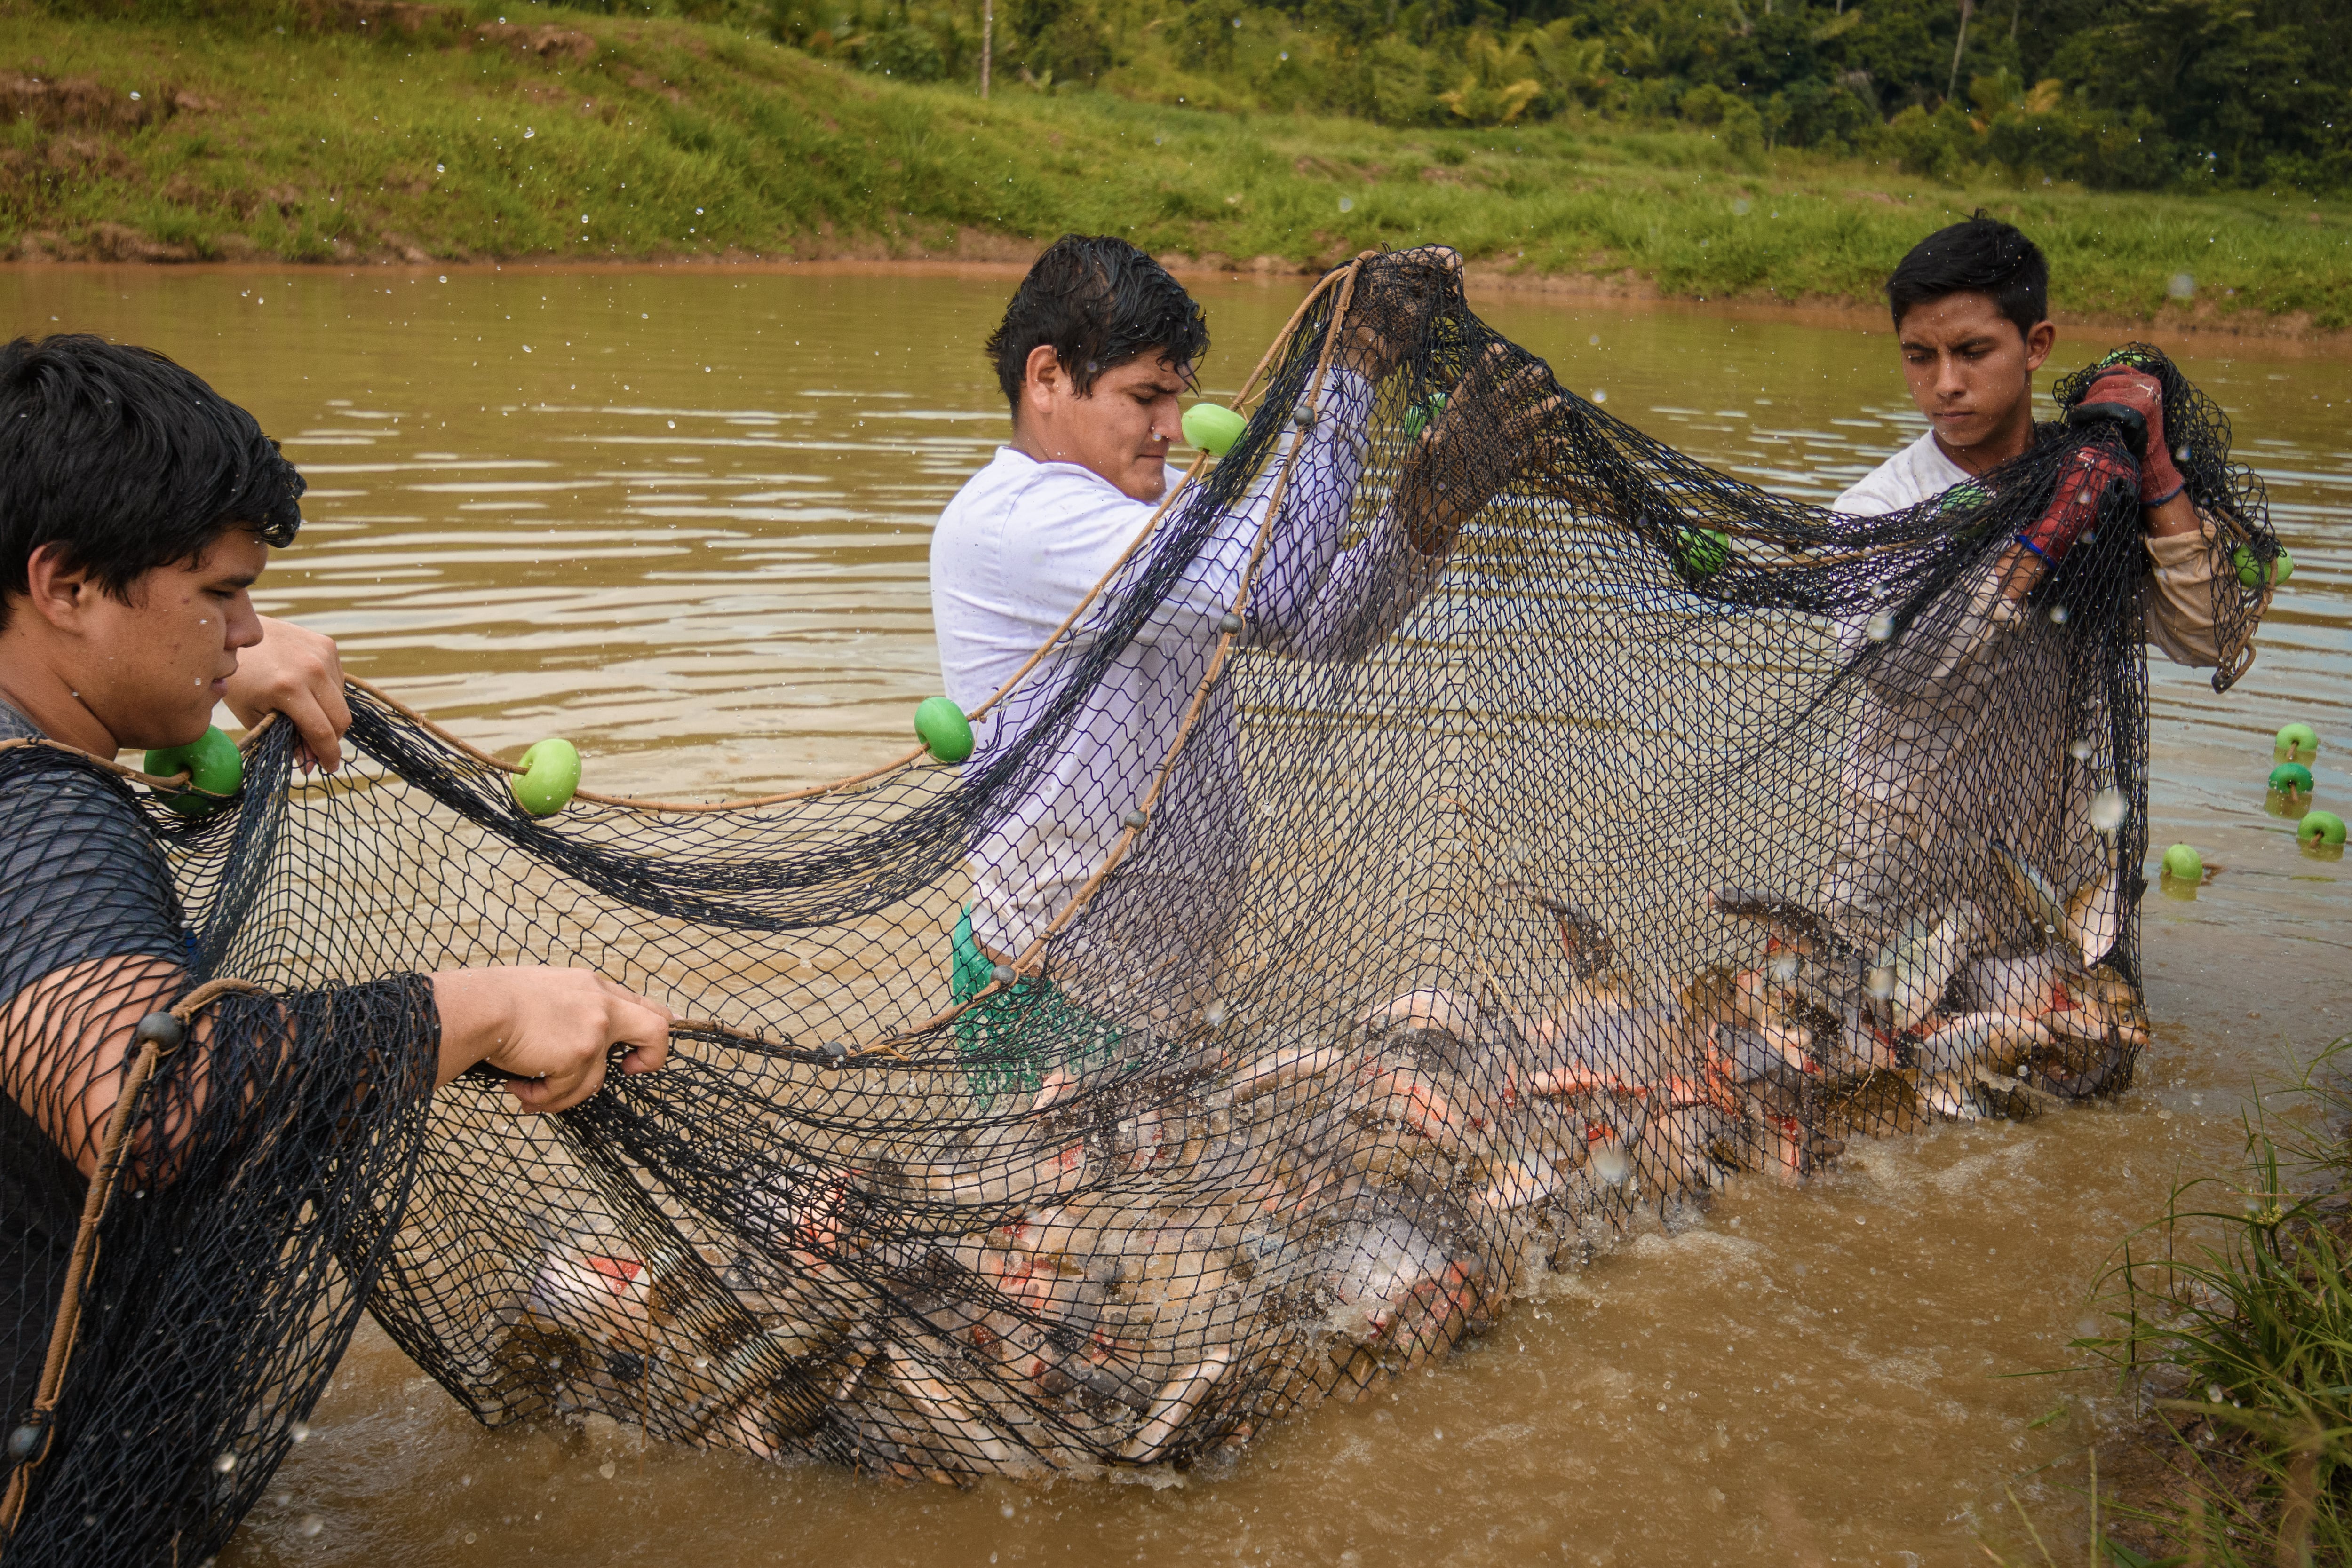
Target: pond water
(681, 517)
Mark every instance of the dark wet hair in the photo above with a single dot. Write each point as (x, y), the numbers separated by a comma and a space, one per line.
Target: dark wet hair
(1099, 302)
(1982, 256)
(127, 461)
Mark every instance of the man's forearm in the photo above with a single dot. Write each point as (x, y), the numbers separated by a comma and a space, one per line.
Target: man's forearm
(2176, 516)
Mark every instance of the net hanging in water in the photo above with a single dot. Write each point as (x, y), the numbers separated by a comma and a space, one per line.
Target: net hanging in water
(1652, 831)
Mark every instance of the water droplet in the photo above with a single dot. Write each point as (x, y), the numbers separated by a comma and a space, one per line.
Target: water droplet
(1739, 208)
(311, 1524)
(606, 1469)
(1609, 1163)
(299, 1431)
(2057, 615)
(1213, 1016)
(1594, 340)
(528, 133)
(1347, 204)
(2180, 455)
(2079, 749)
(1882, 982)
(2107, 809)
(1882, 627)
(2182, 287)
(1599, 395)
(224, 1463)
(2213, 1391)
(2082, 497)
(1782, 968)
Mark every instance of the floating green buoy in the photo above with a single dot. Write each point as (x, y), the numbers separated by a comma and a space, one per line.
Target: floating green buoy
(2250, 567)
(1422, 415)
(1214, 428)
(2319, 829)
(549, 776)
(2183, 864)
(1702, 552)
(2291, 775)
(214, 765)
(942, 726)
(2295, 743)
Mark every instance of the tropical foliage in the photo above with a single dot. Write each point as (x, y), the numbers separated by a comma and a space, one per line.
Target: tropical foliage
(2130, 94)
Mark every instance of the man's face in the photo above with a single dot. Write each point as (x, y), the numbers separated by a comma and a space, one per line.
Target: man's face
(1969, 369)
(1121, 429)
(151, 670)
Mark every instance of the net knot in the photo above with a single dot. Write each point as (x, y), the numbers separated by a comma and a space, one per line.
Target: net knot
(161, 1030)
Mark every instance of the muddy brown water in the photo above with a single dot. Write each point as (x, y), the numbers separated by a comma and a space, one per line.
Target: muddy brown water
(682, 516)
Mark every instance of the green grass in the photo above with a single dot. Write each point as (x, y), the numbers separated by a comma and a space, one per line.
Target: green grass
(2234, 1325)
(677, 139)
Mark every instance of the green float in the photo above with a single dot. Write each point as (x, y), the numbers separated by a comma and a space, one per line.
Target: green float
(1212, 427)
(2250, 567)
(2295, 743)
(1422, 415)
(2183, 864)
(1702, 552)
(549, 776)
(942, 726)
(214, 765)
(2291, 777)
(2320, 830)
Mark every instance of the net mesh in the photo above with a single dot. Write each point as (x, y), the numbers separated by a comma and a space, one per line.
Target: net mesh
(1510, 829)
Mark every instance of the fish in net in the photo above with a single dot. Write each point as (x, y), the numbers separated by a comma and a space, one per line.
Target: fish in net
(1539, 830)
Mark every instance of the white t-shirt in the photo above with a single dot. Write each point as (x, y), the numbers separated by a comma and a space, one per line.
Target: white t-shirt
(1912, 476)
(1021, 543)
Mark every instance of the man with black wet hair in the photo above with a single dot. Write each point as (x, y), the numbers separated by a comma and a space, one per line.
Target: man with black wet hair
(137, 508)
(1970, 306)
(1093, 351)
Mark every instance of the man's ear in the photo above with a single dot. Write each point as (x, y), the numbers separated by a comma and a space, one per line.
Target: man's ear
(1042, 381)
(2038, 344)
(57, 593)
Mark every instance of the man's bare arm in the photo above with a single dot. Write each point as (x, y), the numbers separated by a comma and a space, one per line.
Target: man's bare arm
(66, 1040)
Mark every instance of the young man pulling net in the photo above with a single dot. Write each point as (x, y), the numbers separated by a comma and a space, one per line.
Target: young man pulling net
(270, 1161)
(1093, 351)
(1933, 754)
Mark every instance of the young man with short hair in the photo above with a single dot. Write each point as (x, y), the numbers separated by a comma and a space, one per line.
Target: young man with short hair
(137, 508)
(1092, 353)
(1936, 762)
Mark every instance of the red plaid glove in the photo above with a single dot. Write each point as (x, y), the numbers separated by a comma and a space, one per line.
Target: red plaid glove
(2159, 479)
(2089, 471)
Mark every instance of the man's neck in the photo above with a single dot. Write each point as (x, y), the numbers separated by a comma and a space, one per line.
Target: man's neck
(2012, 440)
(49, 701)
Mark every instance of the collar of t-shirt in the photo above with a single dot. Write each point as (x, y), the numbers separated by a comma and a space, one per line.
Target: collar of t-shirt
(14, 725)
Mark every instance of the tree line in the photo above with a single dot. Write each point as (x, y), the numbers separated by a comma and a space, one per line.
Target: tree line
(2130, 94)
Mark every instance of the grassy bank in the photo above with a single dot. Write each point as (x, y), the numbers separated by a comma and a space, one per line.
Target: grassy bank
(2233, 1336)
(438, 133)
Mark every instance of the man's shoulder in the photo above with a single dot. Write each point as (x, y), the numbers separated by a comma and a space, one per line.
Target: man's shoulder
(1920, 470)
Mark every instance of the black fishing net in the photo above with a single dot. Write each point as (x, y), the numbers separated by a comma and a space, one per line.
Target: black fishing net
(1460, 828)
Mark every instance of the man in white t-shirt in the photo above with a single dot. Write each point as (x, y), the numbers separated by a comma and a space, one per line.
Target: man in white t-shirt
(1093, 348)
(1935, 764)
